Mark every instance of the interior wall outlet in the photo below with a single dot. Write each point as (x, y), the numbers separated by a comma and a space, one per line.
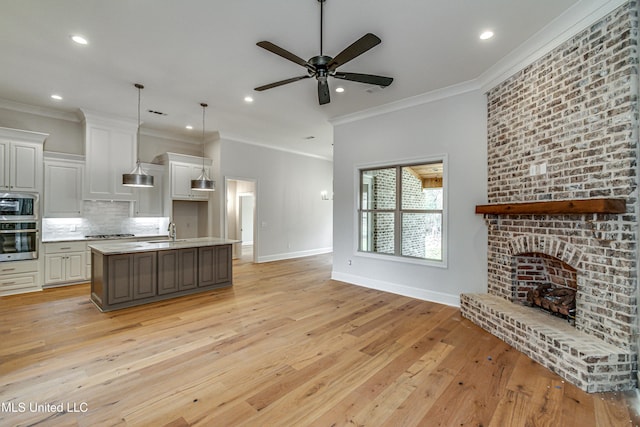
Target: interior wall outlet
(538, 169)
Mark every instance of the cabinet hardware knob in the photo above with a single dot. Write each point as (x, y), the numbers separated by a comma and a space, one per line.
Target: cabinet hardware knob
(8, 269)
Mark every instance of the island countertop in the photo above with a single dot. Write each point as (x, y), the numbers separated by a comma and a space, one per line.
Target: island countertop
(124, 247)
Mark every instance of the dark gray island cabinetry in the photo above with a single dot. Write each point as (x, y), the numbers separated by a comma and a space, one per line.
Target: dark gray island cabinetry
(133, 273)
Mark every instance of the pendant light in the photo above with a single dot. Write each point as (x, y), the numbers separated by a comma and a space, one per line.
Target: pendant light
(137, 177)
(203, 182)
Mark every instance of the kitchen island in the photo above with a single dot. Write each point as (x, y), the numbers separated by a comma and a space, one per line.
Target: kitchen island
(125, 274)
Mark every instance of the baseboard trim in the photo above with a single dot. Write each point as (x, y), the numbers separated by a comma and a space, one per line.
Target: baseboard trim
(395, 288)
(291, 255)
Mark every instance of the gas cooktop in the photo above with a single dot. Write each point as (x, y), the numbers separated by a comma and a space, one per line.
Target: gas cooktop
(108, 236)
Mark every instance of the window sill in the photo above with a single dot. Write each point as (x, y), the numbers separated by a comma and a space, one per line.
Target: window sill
(401, 259)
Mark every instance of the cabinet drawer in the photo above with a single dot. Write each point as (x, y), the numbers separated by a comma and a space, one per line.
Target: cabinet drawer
(57, 247)
(18, 267)
(19, 283)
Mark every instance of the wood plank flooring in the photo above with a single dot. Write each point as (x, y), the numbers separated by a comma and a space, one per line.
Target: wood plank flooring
(285, 346)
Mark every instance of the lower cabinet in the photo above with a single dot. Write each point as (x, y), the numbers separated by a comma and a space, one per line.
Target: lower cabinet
(177, 270)
(18, 277)
(214, 265)
(125, 280)
(131, 277)
(65, 263)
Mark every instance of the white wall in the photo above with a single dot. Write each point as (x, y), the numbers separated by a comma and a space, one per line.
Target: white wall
(453, 126)
(292, 220)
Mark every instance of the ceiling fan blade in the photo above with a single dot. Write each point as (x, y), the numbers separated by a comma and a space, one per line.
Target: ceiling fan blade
(323, 92)
(285, 54)
(357, 48)
(280, 83)
(365, 78)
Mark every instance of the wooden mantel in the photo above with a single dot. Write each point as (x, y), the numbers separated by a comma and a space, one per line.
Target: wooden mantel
(559, 207)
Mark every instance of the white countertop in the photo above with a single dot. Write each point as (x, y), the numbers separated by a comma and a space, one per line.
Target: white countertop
(113, 248)
(88, 239)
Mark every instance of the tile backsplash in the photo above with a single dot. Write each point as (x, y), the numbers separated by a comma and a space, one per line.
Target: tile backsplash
(102, 217)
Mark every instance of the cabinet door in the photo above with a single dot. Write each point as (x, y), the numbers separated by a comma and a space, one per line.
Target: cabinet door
(144, 275)
(75, 266)
(188, 268)
(25, 167)
(150, 201)
(180, 180)
(110, 152)
(181, 176)
(206, 266)
(54, 268)
(4, 163)
(223, 263)
(120, 280)
(167, 272)
(62, 189)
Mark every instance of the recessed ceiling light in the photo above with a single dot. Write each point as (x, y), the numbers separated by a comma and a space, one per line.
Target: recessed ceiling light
(339, 89)
(79, 39)
(486, 35)
(248, 99)
(56, 97)
(189, 127)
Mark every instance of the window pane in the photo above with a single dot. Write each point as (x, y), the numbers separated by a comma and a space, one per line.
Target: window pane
(422, 186)
(377, 230)
(422, 235)
(379, 189)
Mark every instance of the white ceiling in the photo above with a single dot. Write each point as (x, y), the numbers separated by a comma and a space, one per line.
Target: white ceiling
(191, 51)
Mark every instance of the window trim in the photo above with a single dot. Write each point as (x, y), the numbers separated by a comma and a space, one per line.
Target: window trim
(445, 210)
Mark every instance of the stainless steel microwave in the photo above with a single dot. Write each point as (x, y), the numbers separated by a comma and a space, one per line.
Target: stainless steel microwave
(18, 207)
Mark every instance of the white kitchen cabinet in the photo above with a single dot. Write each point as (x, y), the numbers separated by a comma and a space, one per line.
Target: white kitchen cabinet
(110, 152)
(181, 176)
(19, 277)
(150, 201)
(65, 262)
(180, 169)
(63, 186)
(21, 160)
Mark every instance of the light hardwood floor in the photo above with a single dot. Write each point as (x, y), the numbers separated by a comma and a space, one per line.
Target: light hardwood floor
(285, 346)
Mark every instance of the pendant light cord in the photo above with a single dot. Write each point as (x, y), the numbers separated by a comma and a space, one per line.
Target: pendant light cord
(203, 142)
(140, 87)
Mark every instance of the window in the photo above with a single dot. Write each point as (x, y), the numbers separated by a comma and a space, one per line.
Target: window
(401, 211)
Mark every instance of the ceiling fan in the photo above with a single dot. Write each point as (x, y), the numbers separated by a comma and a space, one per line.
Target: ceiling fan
(322, 66)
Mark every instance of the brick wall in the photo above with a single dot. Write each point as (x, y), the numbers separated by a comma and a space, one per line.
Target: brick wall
(574, 111)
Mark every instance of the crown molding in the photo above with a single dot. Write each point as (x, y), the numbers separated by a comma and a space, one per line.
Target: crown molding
(574, 20)
(235, 138)
(39, 111)
(412, 101)
(571, 22)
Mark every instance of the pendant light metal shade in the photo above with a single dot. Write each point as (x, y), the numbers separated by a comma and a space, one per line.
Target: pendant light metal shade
(137, 177)
(203, 182)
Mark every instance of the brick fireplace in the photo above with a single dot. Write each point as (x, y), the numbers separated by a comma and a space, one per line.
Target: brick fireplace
(563, 129)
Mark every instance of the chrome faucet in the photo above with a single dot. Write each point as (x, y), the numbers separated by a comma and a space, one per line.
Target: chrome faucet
(172, 231)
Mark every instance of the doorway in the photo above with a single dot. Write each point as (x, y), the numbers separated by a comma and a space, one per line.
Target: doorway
(241, 217)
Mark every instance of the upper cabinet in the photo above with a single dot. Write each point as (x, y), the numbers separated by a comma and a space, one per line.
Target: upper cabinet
(180, 169)
(181, 176)
(110, 151)
(63, 175)
(150, 201)
(21, 160)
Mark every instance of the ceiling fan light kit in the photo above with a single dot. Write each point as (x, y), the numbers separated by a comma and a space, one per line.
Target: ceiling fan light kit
(322, 66)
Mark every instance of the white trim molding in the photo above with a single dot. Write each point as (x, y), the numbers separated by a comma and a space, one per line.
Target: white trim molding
(398, 289)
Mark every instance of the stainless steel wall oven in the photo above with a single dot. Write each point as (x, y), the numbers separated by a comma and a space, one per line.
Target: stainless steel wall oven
(18, 226)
